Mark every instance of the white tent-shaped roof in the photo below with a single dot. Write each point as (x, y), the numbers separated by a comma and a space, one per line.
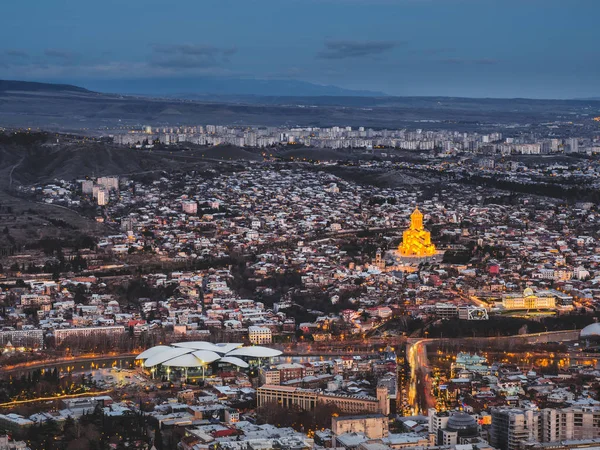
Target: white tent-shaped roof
(206, 356)
(235, 361)
(202, 345)
(187, 360)
(200, 353)
(152, 351)
(255, 352)
(165, 355)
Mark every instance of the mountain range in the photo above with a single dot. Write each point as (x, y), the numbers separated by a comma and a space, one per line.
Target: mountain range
(197, 87)
(73, 108)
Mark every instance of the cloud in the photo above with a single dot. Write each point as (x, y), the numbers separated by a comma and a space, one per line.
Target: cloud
(343, 49)
(59, 70)
(17, 53)
(189, 56)
(60, 54)
(486, 61)
(433, 51)
(465, 61)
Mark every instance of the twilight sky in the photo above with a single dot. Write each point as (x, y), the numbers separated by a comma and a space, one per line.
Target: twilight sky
(474, 48)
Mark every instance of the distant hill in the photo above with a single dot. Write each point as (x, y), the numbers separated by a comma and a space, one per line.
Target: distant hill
(198, 87)
(31, 86)
(43, 160)
(71, 108)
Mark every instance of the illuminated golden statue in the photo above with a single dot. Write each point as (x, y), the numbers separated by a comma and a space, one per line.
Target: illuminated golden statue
(416, 241)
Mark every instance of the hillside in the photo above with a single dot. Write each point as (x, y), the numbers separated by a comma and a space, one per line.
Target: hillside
(28, 159)
(30, 86)
(322, 154)
(33, 158)
(229, 152)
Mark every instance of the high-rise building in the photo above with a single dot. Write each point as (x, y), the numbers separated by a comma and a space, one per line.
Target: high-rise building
(109, 183)
(102, 197)
(87, 186)
(511, 427)
(570, 423)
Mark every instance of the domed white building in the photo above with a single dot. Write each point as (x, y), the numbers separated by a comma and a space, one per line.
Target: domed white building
(591, 332)
(197, 355)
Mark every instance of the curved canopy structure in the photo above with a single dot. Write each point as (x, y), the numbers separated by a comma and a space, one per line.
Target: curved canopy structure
(235, 361)
(591, 331)
(187, 360)
(206, 356)
(203, 345)
(152, 351)
(200, 353)
(165, 355)
(255, 352)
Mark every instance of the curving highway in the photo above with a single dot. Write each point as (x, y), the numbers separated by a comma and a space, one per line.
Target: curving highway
(420, 396)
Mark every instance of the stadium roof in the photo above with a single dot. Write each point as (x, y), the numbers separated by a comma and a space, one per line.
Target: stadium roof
(201, 353)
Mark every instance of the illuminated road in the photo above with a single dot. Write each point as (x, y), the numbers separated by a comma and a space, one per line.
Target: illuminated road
(472, 299)
(420, 396)
(105, 360)
(56, 397)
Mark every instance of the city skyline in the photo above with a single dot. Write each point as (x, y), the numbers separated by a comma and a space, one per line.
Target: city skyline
(299, 225)
(461, 48)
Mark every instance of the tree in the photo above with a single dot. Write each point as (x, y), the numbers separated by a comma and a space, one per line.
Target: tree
(79, 294)
(70, 429)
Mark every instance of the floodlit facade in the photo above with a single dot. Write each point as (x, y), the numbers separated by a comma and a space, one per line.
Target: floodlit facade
(416, 241)
(260, 335)
(528, 300)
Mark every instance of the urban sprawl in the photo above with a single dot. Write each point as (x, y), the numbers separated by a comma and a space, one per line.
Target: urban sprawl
(293, 303)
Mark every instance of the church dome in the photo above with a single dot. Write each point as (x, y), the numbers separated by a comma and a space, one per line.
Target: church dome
(462, 423)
